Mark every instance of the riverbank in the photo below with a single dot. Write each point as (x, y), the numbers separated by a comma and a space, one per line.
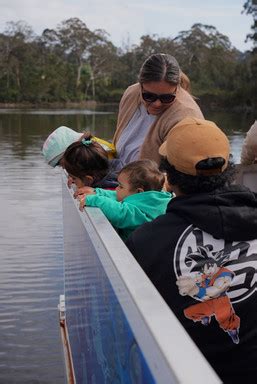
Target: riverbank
(205, 103)
(91, 104)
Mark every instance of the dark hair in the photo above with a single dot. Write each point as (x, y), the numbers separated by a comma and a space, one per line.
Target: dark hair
(160, 66)
(189, 184)
(89, 159)
(144, 174)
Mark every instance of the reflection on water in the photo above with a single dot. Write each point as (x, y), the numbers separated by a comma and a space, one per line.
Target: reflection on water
(38, 124)
(31, 257)
(53, 112)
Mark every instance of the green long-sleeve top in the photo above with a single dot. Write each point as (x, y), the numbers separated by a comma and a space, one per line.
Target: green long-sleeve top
(133, 211)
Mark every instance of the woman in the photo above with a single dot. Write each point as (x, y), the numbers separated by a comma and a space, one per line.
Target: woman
(150, 108)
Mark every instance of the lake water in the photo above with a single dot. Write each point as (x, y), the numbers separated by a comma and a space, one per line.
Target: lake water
(31, 236)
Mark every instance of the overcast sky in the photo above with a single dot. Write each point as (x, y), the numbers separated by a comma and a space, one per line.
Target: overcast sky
(127, 20)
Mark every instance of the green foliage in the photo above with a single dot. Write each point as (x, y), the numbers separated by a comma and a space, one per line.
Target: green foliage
(250, 7)
(72, 63)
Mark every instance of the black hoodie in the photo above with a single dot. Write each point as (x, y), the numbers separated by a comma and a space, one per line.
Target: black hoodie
(202, 257)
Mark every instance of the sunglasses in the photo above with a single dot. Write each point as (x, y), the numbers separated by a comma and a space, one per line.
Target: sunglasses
(165, 98)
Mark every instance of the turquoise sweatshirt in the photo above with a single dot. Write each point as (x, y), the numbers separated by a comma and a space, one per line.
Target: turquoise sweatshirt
(133, 211)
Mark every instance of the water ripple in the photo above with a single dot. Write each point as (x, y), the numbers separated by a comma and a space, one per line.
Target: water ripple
(31, 273)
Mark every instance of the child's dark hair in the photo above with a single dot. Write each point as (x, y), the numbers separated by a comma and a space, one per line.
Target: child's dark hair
(144, 174)
(86, 158)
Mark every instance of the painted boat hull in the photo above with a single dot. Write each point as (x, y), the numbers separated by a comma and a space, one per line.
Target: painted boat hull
(118, 328)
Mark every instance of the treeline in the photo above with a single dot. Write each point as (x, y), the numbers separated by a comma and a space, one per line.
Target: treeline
(73, 64)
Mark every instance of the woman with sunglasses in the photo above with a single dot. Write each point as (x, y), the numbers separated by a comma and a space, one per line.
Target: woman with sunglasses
(150, 108)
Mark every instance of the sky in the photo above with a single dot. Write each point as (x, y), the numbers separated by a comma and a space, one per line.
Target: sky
(127, 20)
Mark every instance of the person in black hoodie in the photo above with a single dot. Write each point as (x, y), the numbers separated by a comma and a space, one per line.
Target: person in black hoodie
(202, 254)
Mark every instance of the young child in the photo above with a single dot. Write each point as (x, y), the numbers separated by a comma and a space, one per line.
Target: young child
(87, 164)
(59, 140)
(138, 198)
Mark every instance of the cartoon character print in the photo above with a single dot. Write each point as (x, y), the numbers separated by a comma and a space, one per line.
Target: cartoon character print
(208, 282)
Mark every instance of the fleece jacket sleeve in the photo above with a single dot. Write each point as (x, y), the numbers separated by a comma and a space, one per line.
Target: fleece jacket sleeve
(106, 193)
(120, 215)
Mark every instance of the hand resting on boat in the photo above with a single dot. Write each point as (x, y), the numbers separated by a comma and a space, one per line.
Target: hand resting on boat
(82, 191)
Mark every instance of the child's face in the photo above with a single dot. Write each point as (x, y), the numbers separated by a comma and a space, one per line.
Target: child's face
(76, 180)
(124, 188)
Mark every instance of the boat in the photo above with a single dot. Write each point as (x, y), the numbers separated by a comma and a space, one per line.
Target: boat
(115, 326)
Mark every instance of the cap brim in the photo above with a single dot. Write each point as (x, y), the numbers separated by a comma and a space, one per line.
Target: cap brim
(162, 149)
(53, 162)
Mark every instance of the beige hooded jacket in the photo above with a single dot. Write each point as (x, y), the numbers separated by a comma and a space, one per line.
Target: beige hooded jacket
(183, 106)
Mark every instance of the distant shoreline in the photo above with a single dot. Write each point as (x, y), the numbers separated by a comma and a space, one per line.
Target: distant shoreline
(53, 105)
(204, 104)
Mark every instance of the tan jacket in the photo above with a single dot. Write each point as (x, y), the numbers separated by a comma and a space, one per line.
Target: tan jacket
(183, 106)
(249, 149)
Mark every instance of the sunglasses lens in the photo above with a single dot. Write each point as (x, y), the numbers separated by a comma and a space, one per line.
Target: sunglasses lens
(167, 98)
(149, 97)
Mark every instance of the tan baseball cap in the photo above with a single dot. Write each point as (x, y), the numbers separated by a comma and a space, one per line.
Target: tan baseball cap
(193, 140)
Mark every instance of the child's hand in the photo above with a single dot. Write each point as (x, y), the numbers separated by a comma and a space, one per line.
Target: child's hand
(69, 181)
(83, 191)
(82, 202)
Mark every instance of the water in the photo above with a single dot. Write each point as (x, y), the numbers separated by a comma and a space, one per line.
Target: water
(31, 243)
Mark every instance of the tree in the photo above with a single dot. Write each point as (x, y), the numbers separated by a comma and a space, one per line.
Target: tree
(250, 7)
(208, 57)
(58, 74)
(72, 63)
(101, 58)
(88, 52)
(133, 57)
(76, 39)
(15, 47)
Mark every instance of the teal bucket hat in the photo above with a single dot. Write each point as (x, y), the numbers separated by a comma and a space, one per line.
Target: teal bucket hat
(57, 142)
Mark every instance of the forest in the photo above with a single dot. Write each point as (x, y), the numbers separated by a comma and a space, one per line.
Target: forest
(72, 64)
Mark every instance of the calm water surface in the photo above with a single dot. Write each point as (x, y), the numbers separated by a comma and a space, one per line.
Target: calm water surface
(31, 243)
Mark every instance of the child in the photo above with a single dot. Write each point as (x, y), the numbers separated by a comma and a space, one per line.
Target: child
(87, 164)
(138, 198)
(59, 140)
(56, 143)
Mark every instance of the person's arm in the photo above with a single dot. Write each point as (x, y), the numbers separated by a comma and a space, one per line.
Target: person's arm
(109, 195)
(106, 192)
(119, 214)
(81, 192)
(249, 148)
